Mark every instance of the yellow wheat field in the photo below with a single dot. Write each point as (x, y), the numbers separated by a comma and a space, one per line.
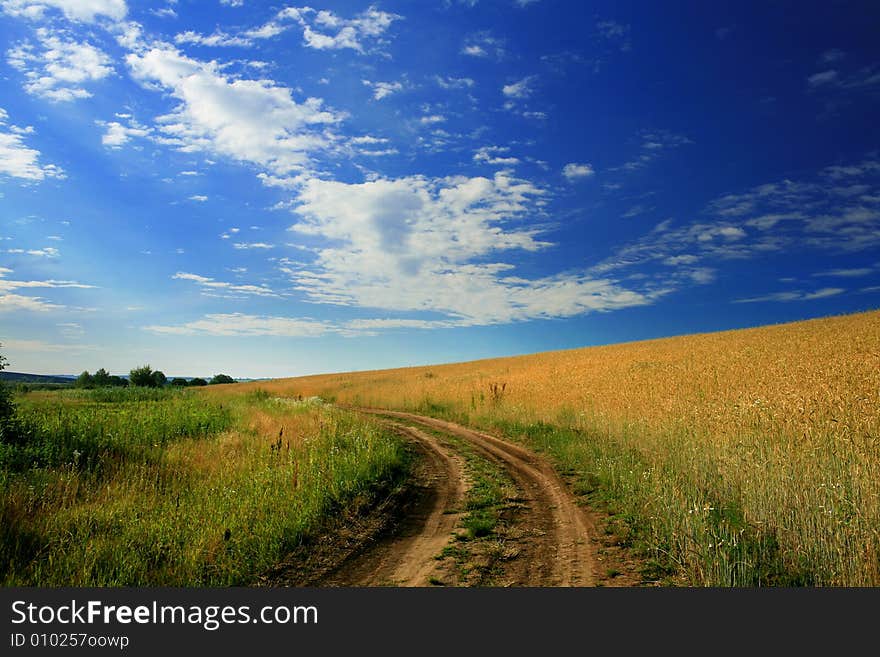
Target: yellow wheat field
(782, 421)
(809, 379)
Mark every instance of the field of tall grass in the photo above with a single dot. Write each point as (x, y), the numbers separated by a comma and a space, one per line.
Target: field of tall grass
(738, 458)
(146, 487)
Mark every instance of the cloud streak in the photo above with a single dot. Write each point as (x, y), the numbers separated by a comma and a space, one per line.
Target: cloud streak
(17, 159)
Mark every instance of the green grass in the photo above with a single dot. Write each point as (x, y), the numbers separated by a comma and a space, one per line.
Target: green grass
(133, 488)
(92, 429)
(688, 521)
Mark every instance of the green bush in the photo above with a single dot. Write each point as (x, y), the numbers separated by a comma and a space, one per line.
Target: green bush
(142, 376)
(7, 407)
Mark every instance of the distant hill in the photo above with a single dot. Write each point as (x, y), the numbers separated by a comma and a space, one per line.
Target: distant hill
(20, 377)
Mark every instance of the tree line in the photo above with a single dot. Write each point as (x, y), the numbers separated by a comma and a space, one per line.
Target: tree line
(145, 377)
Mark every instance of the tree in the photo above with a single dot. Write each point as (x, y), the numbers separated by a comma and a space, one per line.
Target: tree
(222, 378)
(198, 381)
(7, 406)
(101, 379)
(159, 379)
(118, 382)
(177, 381)
(142, 376)
(85, 380)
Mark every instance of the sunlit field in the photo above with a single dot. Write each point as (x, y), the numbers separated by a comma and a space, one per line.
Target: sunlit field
(141, 487)
(747, 457)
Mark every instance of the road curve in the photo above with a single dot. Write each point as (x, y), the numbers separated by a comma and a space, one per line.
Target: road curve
(554, 533)
(407, 556)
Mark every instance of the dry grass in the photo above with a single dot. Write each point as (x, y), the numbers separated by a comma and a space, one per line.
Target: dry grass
(742, 457)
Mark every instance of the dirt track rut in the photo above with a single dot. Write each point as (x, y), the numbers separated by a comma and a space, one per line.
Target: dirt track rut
(550, 535)
(406, 556)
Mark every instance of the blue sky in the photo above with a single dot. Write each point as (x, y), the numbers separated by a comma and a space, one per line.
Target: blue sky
(269, 190)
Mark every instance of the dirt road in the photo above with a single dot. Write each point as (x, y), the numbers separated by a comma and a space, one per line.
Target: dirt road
(405, 557)
(548, 542)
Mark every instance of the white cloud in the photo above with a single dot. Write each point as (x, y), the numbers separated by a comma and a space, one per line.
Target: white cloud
(40, 346)
(87, 11)
(653, 145)
(454, 83)
(772, 219)
(855, 272)
(617, 34)
(71, 329)
(7, 285)
(324, 30)
(118, 134)
(164, 12)
(825, 77)
(216, 39)
(832, 55)
(224, 287)
(494, 155)
(520, 89)
(254, 121)
(245, 246)
(367, 140)
(20, 161)
(798, 295)
(59, 67)
(432, 119)
(241, 325)
(46, 252)
(13, 302)
(483, 44)
(368, 325)
(725, 232)
(199, 198)
(382, 152)
(686, 259)
(701, 275)
(840, 172)
(416, 244)
(383, 89)
(854, 80)
(635, 211)
(574, 171)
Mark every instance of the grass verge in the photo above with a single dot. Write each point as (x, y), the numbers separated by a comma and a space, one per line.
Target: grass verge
(177, 490)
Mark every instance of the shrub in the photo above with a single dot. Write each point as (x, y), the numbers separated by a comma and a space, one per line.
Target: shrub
(142, 376)
(101, 379)
(7, 407)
